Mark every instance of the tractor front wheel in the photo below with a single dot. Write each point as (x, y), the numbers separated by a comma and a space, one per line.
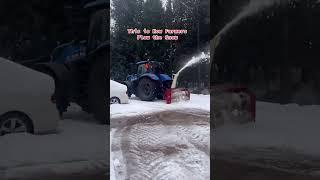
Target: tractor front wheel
(146, 89)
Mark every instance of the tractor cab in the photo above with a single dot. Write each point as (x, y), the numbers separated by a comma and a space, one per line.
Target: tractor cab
(73, 50)
(149, 67)
(153, 68)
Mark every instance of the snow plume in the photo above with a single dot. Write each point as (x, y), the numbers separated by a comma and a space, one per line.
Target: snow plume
(203, 57)
(253, 7)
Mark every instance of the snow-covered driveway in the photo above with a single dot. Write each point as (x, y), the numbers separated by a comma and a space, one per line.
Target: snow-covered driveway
(160, 141)
(165, 145)
(79, 147)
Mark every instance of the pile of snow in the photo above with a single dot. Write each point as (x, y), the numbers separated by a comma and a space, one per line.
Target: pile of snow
(277, 126)
(79, 146)
(138, 107)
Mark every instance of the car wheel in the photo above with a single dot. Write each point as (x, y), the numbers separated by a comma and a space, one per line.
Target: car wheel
(114, 100)
(15, 123)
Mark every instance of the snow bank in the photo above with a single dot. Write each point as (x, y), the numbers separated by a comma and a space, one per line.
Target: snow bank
(61, 169)
(278, 126)
(136, 106)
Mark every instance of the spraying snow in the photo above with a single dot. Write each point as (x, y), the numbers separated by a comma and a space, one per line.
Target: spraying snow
(253, 7)
(203, 57)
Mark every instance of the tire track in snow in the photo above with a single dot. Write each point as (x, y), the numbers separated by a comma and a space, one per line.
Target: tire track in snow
(167, 145)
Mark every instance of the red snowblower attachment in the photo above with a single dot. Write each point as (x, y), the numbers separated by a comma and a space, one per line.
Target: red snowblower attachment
(233, 102)
(250, 104)
(176, 95)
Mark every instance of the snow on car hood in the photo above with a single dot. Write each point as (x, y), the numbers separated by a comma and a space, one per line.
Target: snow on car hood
(117, 86)
(18, 78)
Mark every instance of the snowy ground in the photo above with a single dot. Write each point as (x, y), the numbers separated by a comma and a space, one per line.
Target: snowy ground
(282, 133)
(137, 107)
(77, 148)
(160, 141)
(242, 171)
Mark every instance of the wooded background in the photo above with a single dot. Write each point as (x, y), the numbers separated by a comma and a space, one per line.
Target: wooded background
(29, 29)
(273, 48)
(192, 15)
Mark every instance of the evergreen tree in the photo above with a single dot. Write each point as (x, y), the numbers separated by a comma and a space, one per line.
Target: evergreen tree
(151, 14)
(123, 45)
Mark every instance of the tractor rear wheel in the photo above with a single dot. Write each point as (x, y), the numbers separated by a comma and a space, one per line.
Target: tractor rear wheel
(97, 85)
(146, 89)
(97, 91)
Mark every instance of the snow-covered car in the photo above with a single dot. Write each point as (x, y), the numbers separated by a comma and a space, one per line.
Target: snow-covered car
(118, 93)
(25, 104)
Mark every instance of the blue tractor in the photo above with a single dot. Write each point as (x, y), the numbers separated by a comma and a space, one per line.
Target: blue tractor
(79, 68)
(149, 81)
